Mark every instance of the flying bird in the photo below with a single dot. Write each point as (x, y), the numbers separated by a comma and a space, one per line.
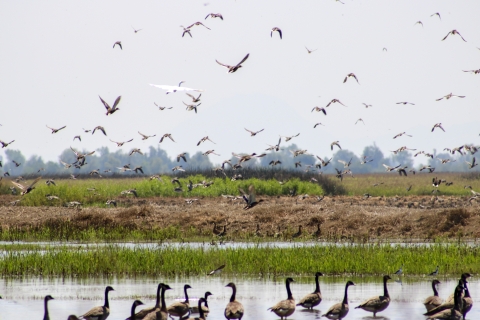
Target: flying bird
(360, 119)
(367, 105)
(335, 143)
(182, 156)
(145, 137)
(473, 71)
(216, 271)
(472, 164)
(277, 30)
(401, 134)
(310, 51)
(232, 69)
(214, 15)
(351, 75)
(335, 101)
(317, 124)
(53, 130)
(99, 128)
(119, 43)
(405, 102)
(448, 96)
(198, 23)
(166, 135)
(119, 144)
(186, 30)
(173, 89)
(436, 14)
(135, 30)
(253, 133)
(77, 137)
(191, 107)
(418, 22)
(195, 100)
(318, 109)
(438, 125)
(205, 139)
(250, 197)
(454, 32)
(161, 108)
(290, 138)
(111, 110)
(6, 144)
(26, 189)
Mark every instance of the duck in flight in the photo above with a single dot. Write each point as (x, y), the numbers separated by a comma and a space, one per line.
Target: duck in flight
(276, 29)
(454, 32)
(232, 69)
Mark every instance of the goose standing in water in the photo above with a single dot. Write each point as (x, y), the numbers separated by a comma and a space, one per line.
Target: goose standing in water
(179, 309)
(100, 312)
(339, 310)
(377, 303)
(451, 314)
(433, 301)
(313, 299)
(161, 314)
(200, 310)
(205, 308)
(467, 302)
(143, 313)
(46, 316)
(135, 304)
(234, 309)
(285, 308)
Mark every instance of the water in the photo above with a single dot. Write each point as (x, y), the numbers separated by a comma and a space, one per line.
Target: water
(23, 298)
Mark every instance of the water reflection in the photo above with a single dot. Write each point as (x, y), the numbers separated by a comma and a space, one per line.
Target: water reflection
(23, 298)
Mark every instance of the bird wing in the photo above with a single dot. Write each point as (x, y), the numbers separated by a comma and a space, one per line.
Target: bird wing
(280, 32)
(117, 101)
(243, 60)
(95, 312)
(104, 103)
(18, 185)
(223, 65)
(34, 181)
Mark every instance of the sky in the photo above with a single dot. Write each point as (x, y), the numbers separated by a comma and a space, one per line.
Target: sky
(57, 59)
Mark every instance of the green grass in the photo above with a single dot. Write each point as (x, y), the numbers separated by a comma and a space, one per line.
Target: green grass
(372, 259)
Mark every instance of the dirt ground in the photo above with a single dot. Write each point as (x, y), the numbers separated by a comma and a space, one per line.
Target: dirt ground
(339, 218)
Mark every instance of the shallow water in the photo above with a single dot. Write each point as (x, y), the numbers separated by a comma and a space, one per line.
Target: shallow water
(23, 298)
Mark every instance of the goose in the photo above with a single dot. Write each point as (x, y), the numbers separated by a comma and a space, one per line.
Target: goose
(335, 101)
(46, 315)
(213, 272)
(351, 75)
(119, 144)
(113, 109)
(232, 69)
(135, 304)
(99, 128)
(208, 152)
(181, 308)
(214, 15)
(377, 303)
(360, 119)
(405, 103)
(449, 303)
(285, 308)
(367, 105)
(160, 314)
(191, 107)
(173, 89)
(26, 189)
(313, 299)
(77, 137)
(335, 143)
(339, 310)
(253, 133)
(418, 22)
(186, 30)
(200, 310)
(204, 139)
(135, 150)
(436, 14)
(53, 130)
(136, 30)
(454, 313)
(198, 23)
(454, 32)
(318, 232)
(276, 29)
(250, 197)
(182, 156)
(290, 138)
(100, 312)
(467, 301)
(17, 164)
(472, 164)
(318, 109)
(433, 301)
(318, 124)
(194, 100)
(144, 312)
(298, 233)
(118, 43)
(166, 135)
(5, 144)
(448, 96)
(310, 51)
(401, 134)
(234, 309)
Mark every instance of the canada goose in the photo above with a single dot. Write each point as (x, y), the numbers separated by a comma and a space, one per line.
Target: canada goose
(182, 156)
(135, 150)
(186, 30)
(198, 23)
(318, 109)
(46, 315)
(324, 163)
(367, 105)
(208, 152)
(436, 14)
(450, 313)
(401, 134)
(310, 51)
(313, 299)
(99, 128)
(418, 22)
(360, 119)
(232, 69)
(223, 233)
(113, 109)
(135, 304)
(289, 138)
(191, 107)
(173, 89)
(160, 314)
(145, 137)
(144, 312)
(100, 312)
(433, 301)
(205, 139)
(179, 309)
(119, 43)
(448, 96)
(435, 273)
(250, 197)
(339, 310)
(77, 137)
(389, 169)
(298, 233)
(5, 144)
(179, 168)
(454, 32)
(473, 71)
(26, 189)
(472, 164)
(277, 30)
(253, 133)
(216, 271)
(285, 308)
(214, 15)
(467, 301)
(119, 144)
(17, 164)
(405, 103)
(200, 310)
(136, 30)
(166, 135)
(352, 75)
(377, 303)
(318, 124)
(335, 101)
(234, 309)
(53, 130)
(335, 143)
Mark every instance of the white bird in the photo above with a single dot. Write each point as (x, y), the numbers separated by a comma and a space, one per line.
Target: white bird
(173, 89)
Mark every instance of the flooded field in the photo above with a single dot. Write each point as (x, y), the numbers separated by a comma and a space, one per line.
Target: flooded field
(23, 298)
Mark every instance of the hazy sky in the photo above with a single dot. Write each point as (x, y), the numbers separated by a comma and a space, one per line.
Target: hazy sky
(56, 58)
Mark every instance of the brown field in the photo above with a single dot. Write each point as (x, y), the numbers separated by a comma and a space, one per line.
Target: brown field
(340, 217)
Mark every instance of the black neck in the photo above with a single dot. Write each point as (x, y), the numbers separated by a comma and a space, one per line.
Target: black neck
(206, 303)
(345, 297)
(164, 306)
(159, 289)
(385, 290)
(186, 294)
(132, 313)
(200, 310)
(289, 292)
(467, 293)
(234, 292)
(434, 287)
(456, 298)
(46, 316)
(106, 305)
(317, 285)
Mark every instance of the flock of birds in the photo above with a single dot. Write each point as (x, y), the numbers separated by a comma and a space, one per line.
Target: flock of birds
(456, 306)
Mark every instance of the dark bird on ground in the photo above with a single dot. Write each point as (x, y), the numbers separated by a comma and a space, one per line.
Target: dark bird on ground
(113, 109)
(232, 69)
(277, 30)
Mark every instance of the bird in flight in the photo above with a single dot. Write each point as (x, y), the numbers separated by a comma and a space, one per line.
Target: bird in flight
(160, 107)
(204, 139)
(173, 89)
(253, 133)
(214, 15)
(318, 109)
(418, 22)
(436, 14)
(454, 32)
(186, 30)
(119, 43)
(119, 144)
(448, 96)
(290, 138)
(367, 105)
(360, 119)
(438, 125)
(166, 135)
(249, 197)
(195, 100)
(232, 69)
(111, 110)
(100, 128)
(144, 136)
(472, 164)
(335, 101)
(318, 124)
(473, 71)
(191, 107)
(277, 30)
(6, 144)
(405, 102)
(352, 75)
(310, 51)
(401, 134)
(198, 23)
(135, 30)
(335, 143)
(54, 130)
(26, 189)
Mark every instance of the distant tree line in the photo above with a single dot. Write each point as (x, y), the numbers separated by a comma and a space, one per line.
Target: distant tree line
(157, 161)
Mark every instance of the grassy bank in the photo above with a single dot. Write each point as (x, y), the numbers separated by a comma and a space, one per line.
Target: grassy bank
(169, 261)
